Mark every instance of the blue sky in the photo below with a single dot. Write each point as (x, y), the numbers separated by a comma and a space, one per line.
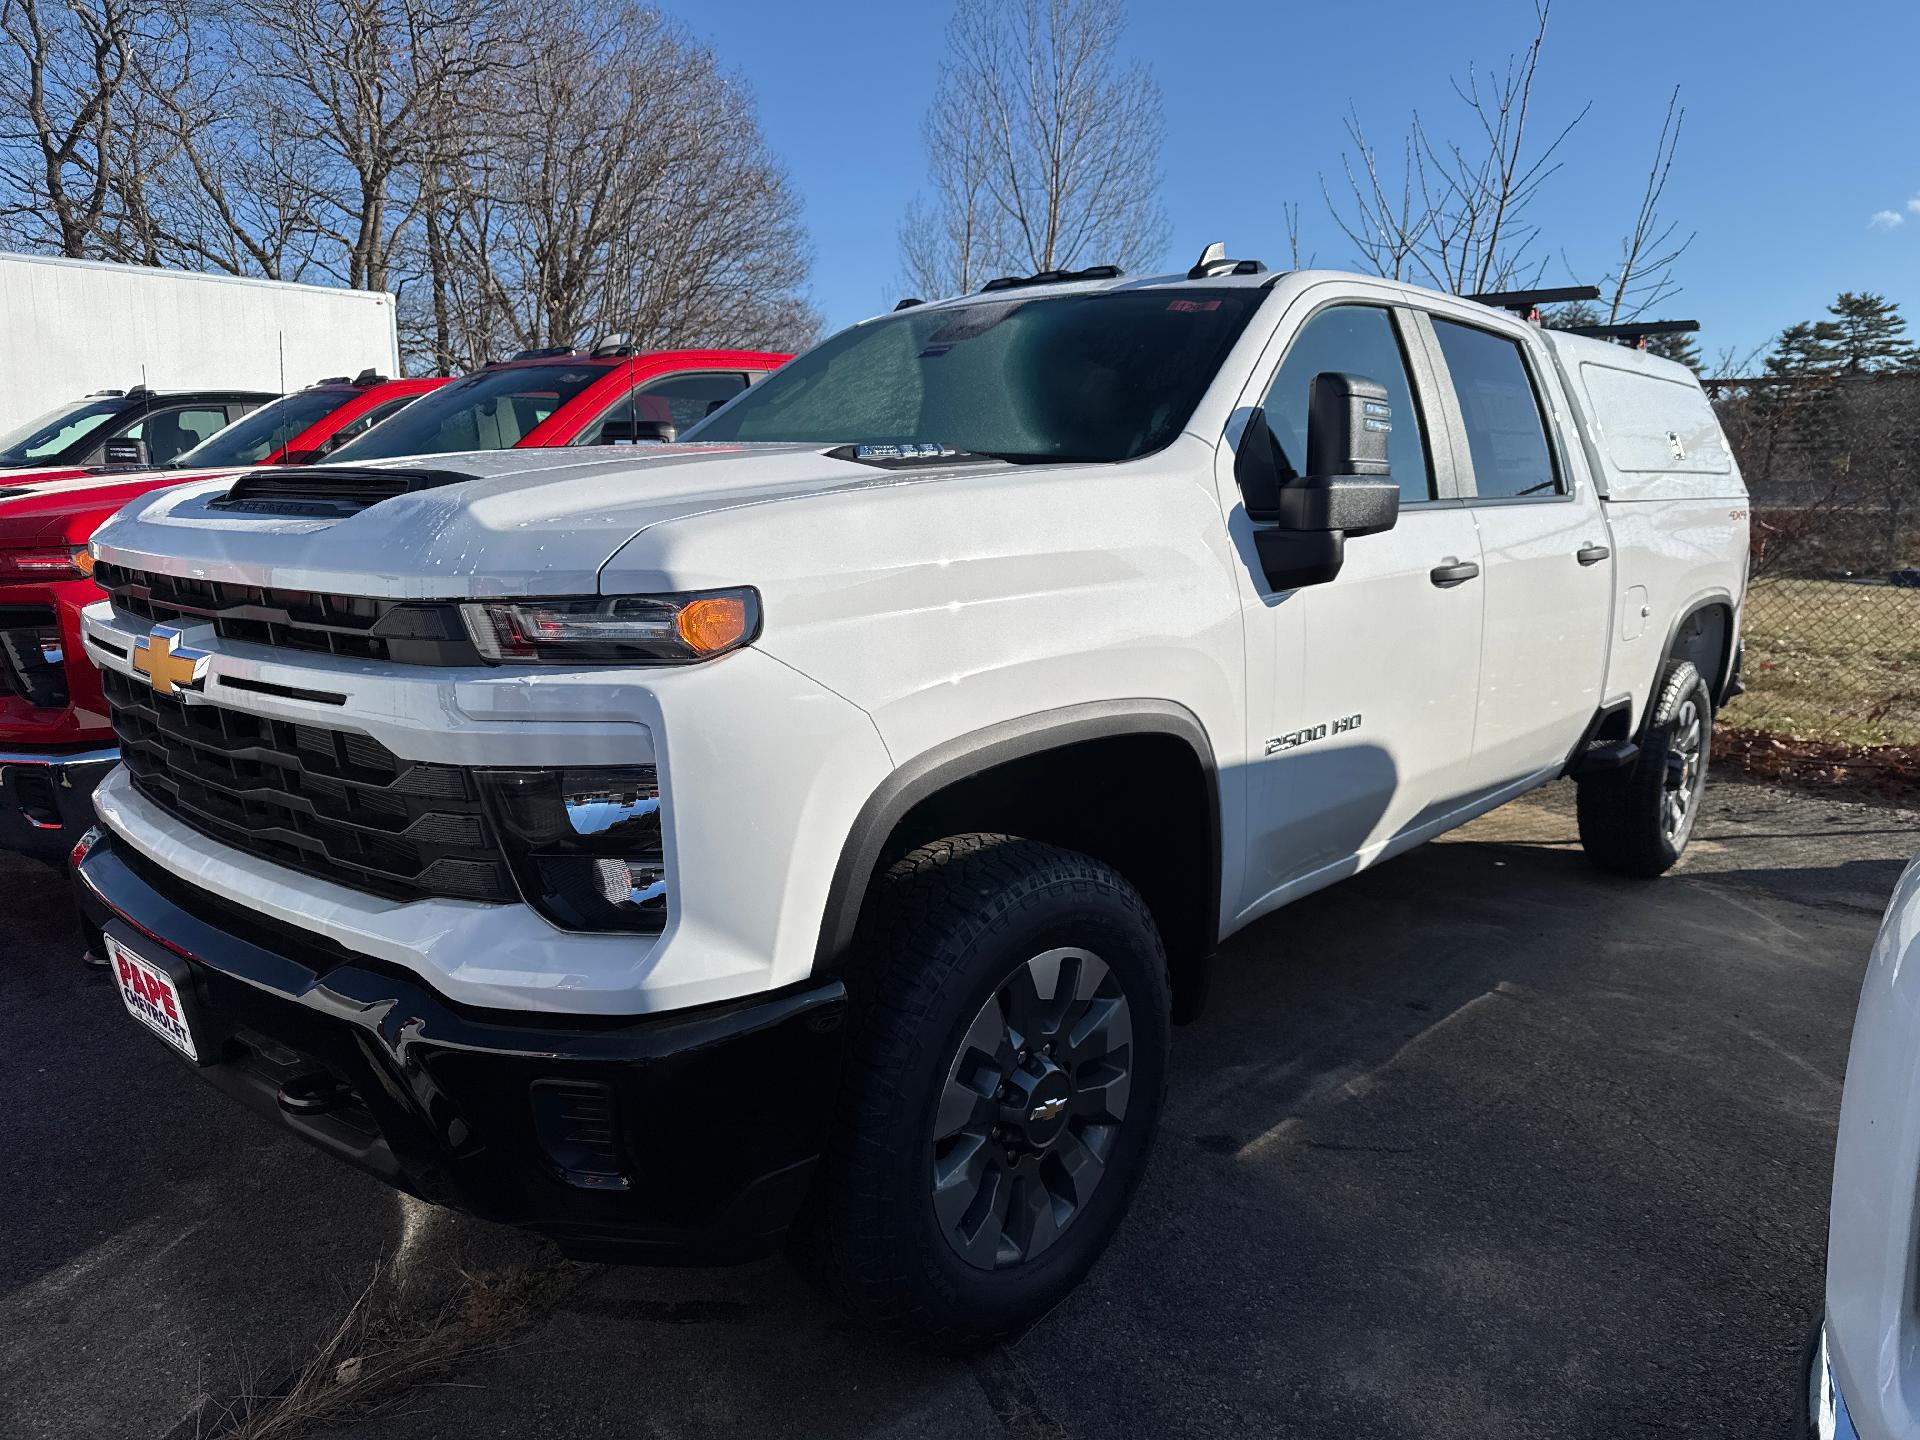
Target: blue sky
(1802, 124)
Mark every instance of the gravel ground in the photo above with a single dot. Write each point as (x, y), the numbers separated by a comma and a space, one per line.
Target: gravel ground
(1481, 1143)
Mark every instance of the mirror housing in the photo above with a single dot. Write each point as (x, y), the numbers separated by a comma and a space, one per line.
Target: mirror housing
(124, 454)
(1348, 489)
(637, 432)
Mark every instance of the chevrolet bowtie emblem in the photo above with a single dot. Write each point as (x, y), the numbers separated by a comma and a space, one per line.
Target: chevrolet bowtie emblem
(167, 664)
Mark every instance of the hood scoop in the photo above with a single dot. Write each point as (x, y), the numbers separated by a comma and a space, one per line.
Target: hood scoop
(329, 493)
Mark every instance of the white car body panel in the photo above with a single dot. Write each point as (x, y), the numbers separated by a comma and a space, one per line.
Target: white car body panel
(1873, 1242)
(759, 926)
(907, 610)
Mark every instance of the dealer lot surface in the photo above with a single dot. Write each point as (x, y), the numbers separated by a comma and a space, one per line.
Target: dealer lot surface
(1481, 1143)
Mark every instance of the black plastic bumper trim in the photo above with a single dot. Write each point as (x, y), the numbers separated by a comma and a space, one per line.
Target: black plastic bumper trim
(721, 1111)
(30, 780)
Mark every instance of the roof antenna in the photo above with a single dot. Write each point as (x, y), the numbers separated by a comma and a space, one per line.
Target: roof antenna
(633, 402)
(284, 437)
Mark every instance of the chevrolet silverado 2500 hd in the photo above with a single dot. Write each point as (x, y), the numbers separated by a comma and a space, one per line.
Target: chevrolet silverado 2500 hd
(815, 827)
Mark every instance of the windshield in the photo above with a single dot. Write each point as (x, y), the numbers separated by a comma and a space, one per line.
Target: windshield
(494, 410)
(258, 434)
(1104, 376)
(54, 431)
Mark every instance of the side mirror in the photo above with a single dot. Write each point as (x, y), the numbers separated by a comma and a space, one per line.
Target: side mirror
(1347, 490)
(636, 432)
(119, 454)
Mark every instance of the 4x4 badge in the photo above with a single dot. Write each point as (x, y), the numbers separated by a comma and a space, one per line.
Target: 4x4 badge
(167, 664)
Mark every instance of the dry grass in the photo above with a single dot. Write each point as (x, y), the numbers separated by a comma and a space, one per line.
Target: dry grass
(1832, 662)
(386, 1346)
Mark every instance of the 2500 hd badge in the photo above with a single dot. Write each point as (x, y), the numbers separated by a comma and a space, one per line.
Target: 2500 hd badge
(1295, 739)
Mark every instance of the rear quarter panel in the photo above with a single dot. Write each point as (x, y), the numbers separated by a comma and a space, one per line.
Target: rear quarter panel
(1675, 502)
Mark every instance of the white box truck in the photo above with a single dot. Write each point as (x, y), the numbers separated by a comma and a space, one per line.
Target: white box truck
(77, 326)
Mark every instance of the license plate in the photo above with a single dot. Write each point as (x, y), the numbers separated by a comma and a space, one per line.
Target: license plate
(152, 998)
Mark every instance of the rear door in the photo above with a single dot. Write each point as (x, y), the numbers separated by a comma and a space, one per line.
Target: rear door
(1544, 542)
(1368, 720)
(682, 400)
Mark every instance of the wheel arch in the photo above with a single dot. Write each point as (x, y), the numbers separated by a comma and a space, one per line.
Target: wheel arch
(960, 774)
(1704, 633)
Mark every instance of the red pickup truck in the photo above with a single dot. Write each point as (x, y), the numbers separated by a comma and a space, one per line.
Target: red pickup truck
(55, 742)
(610, 394)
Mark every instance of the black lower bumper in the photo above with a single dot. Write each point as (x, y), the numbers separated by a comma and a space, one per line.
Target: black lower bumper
(685, 1137)
(46, 798)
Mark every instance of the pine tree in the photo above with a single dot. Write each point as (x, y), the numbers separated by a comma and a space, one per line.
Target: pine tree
(1679, 346)
(1574, 312)
(1802, 349)
(1867, 334)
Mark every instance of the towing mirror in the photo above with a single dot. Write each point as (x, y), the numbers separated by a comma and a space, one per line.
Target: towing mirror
(1305, 520)
(635, 432)
(120, 454)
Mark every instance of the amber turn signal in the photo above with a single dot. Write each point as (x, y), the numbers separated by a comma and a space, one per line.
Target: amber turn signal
(713, 623)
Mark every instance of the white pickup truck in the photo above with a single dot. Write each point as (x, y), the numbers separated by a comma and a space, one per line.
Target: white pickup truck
(815, 827)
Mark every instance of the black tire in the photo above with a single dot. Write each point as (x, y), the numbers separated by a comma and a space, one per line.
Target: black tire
(1637, 820)
(962, 922)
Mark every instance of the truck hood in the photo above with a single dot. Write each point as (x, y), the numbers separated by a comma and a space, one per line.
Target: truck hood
(528, 522)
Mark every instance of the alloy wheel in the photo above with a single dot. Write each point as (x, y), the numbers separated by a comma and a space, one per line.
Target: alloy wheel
(1686, 765)
(1033, 1103)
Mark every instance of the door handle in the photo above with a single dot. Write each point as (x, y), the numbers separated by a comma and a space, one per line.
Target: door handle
(1454, 572)
(1591, 554)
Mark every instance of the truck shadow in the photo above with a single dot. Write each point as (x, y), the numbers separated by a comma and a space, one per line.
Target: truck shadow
(1472, 1143)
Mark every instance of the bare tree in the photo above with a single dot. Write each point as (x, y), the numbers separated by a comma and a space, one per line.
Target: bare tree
(1643, 278)
(633, 192)
(64, 83)
(1043, 147)
(1455, 214)
(355, 87)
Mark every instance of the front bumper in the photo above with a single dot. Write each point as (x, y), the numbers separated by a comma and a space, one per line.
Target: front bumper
(46, 798)
(685, 1136)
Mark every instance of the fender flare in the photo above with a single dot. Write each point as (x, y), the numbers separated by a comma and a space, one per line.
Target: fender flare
(1715, 683)
(966, 755)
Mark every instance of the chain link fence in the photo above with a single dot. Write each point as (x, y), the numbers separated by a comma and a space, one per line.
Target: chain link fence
(1832, 624)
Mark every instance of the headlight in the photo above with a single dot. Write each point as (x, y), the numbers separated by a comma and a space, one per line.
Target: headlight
(585, 845)
(615, 630)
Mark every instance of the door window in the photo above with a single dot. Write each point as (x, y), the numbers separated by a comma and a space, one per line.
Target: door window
(1352, 340)
(360, 424)
(171, 433)
(1505, 434)
(683, 401)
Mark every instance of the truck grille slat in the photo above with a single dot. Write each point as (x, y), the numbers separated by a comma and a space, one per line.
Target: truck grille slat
(330, 803)
(355, 627)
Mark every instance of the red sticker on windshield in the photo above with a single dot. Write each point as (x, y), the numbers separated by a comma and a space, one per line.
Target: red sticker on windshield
(1192, 307)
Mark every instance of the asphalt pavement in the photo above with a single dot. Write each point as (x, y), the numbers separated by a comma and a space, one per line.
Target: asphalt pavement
(1481, 1143)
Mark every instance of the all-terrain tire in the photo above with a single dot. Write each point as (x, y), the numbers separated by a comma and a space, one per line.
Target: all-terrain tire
(1636, 820)
(960, 921)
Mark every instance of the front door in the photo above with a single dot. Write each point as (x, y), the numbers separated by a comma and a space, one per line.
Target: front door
(1368, 724)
